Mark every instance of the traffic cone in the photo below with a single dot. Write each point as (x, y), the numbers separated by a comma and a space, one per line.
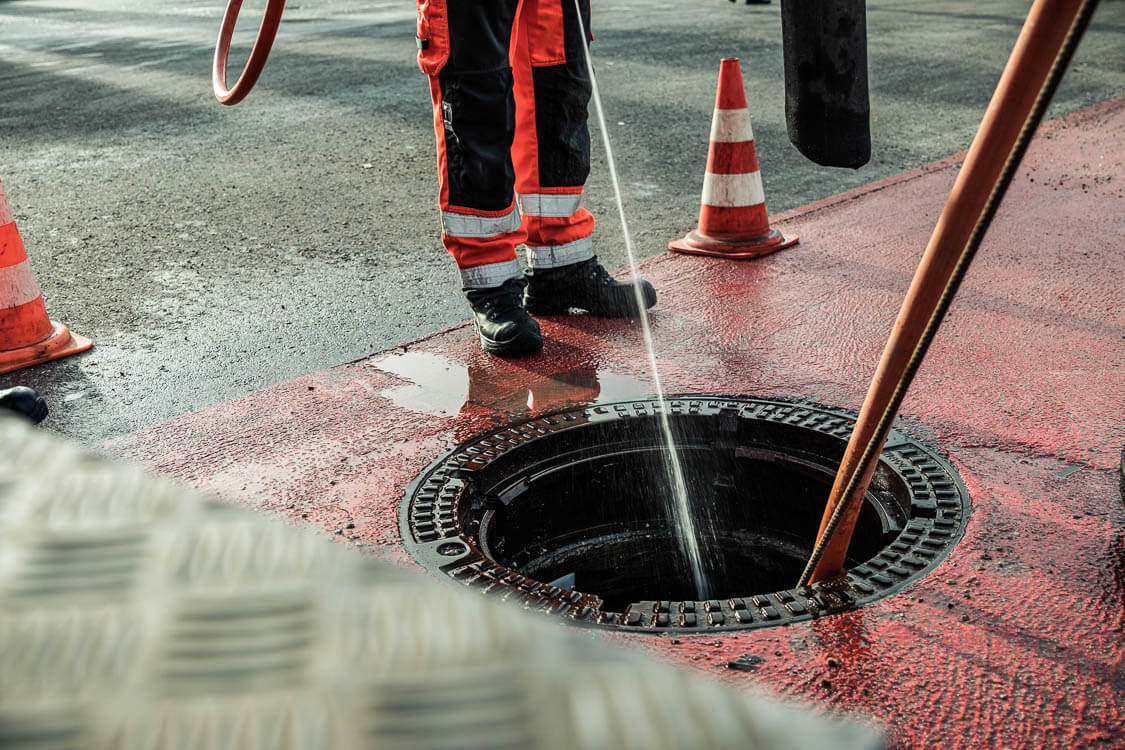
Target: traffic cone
(732, 218)
(27, 335)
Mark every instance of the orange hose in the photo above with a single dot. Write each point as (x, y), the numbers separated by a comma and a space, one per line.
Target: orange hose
(1044, 32)
(258, 54)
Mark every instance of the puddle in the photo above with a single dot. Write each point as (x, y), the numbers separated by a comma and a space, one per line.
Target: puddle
(441, 386)
(437, 385)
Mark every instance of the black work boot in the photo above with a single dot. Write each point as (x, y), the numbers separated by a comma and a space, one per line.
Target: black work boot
(25, 402)
(587, 286)
(501, 321)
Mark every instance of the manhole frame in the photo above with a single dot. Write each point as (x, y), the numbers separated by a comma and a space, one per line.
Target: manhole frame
(432, 535)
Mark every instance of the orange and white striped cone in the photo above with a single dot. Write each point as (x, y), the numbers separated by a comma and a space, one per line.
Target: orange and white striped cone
(732, 218)
(27, 335)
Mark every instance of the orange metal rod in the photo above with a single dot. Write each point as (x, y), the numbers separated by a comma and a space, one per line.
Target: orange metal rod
(258, 53)
(1043, 34)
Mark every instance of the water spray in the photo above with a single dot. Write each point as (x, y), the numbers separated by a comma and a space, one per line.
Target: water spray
(680, 506)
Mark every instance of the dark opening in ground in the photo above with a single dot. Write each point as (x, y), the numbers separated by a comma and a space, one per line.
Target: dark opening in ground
(593, 516)
(568, 512)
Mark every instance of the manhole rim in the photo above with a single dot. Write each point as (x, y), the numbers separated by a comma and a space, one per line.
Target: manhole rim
(873, 580)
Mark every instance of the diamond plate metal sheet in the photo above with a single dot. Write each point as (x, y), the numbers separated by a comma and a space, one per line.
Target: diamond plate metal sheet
(136, 614)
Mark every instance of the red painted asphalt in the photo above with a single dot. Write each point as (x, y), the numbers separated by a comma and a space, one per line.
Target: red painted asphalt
(1018, 639)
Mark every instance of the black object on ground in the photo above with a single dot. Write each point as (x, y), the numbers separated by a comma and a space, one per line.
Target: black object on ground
(1121, 473)
(746, 663)
(25, 402)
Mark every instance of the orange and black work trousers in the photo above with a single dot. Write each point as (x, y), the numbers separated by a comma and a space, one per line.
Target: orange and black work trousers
(510, 89)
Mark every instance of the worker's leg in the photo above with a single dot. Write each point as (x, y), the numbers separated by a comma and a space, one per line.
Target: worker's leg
(464, 48)
(552, 145)
(552, 160)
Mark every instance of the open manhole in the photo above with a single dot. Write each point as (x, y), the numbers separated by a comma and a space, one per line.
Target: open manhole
(567, 512)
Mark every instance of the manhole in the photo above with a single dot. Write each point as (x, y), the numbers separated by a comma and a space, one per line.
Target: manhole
(566, 512)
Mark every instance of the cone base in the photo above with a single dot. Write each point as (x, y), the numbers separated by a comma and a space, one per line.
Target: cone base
(696, 243)
(60, 343)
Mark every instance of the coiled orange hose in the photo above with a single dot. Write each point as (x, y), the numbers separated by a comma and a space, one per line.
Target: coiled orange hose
(258, 54)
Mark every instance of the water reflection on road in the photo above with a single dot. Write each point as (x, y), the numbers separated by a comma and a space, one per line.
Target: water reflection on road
(435, 384)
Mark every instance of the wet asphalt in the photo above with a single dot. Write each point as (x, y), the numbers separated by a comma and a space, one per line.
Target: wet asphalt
(211, 251)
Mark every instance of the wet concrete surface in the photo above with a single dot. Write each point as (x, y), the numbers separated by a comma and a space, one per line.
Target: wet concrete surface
(1015, 640)
(212, 251)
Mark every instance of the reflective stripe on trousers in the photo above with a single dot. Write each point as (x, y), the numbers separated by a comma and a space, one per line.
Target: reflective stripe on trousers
(554, 256)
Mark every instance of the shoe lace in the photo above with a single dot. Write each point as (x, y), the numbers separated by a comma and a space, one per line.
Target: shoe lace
(507, 298)
(598, 273)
